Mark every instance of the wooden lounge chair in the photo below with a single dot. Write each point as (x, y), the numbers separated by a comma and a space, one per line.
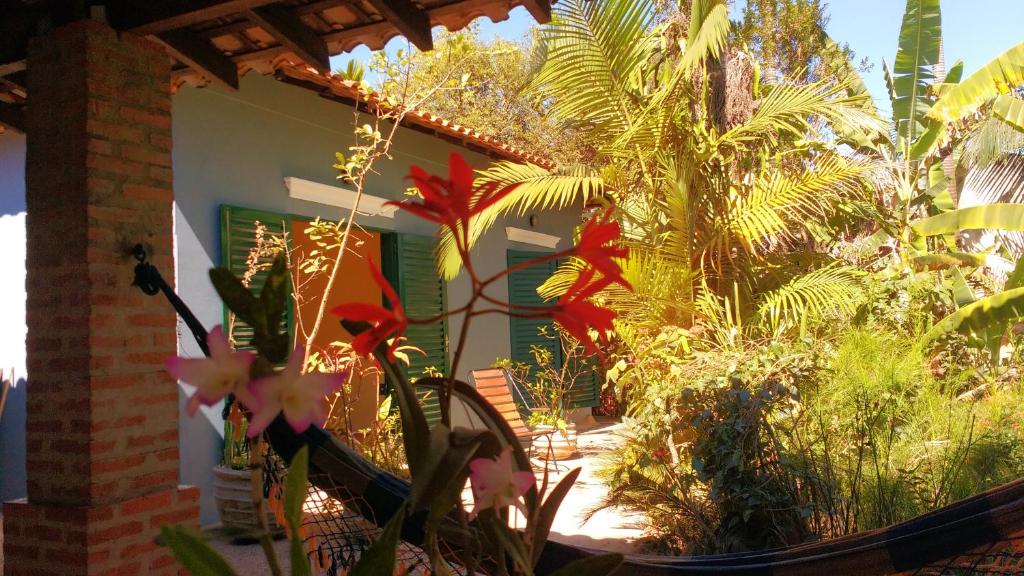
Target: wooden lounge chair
(495, 385)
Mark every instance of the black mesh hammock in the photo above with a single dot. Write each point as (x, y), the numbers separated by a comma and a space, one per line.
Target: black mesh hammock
(351, 499)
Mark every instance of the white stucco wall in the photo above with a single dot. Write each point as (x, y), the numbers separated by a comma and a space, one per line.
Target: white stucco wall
(237, 148)
(12, 312)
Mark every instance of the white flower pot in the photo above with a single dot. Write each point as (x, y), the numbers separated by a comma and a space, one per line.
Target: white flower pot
(232, 491)
(555, 443)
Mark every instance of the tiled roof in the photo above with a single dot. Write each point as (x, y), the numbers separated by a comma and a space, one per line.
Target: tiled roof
(335, 87)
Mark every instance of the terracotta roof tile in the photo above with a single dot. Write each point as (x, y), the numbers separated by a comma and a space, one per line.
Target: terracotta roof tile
(349, 91)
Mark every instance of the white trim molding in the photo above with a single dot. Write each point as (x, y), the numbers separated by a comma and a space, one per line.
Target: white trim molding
(336, 196)
(531, 237)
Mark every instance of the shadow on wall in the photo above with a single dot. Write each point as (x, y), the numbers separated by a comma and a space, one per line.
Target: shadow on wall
(12, 173)
(12, 444)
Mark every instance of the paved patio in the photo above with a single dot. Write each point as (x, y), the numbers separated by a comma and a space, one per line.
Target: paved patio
(610, 529)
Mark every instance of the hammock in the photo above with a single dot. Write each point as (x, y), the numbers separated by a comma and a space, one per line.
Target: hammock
(350, 500)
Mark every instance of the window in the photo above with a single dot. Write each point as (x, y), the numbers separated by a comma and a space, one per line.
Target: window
(406, 260)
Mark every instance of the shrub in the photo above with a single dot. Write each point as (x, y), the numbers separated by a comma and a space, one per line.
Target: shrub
(778, 444)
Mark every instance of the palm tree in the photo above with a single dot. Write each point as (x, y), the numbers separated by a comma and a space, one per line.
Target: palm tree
(715, 177)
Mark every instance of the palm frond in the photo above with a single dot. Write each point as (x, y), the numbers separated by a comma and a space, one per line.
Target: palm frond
(708, 33)
(989, 141)
(789, 109)
(779, 205)
(594, 51)
(660, 283)
(833, 288)
(537, 189)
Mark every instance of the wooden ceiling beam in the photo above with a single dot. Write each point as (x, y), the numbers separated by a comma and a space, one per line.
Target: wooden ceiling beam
(294, 34)
(412, 21)
(539, 9)
(201, 55)
(155, 16)
(12, 116)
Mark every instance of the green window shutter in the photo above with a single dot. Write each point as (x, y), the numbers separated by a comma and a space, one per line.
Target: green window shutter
(525, 332)
(409, 265)
(237, 237)
(522, 290)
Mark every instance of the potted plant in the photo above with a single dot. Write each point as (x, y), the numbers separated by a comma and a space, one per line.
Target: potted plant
(547, 387)
(233, 484)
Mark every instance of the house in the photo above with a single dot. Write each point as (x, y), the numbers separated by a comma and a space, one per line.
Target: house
(264, 154)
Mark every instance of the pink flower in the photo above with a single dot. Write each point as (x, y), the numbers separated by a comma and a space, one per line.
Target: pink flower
(300, 396)
(224, 372)
(497, 483)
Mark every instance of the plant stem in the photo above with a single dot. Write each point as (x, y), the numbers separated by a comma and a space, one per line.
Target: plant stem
(256, 493)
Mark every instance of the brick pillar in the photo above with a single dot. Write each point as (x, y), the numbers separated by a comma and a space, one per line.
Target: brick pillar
(102, 425)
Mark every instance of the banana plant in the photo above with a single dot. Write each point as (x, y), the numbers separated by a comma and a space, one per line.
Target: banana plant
(985, 320)
(932, 116)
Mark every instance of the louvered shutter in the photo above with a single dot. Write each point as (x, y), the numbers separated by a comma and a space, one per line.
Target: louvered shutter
(237, 237)
(409, 265)
(525, 332)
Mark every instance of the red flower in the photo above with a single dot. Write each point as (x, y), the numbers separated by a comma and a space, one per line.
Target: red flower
(599, 244)
(660, 453)
(453, 201)
(385, 322)
(576, 314)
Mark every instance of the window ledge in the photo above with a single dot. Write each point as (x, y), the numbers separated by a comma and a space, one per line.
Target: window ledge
(530, 237)
(336, 196)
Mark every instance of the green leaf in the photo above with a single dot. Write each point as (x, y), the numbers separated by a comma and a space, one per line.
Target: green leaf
(1009, 109)
(987, 216)
(294, 496)
(380, 557)
(999, 76)
(415, 432)
(918, 52)
(598, 565)
(274, 293)
(546, 515)
(193, 553)
(963, 294)
(509, 540)
(924, 143)
(956, 72)
(944, 260)
(239, 299)
(437, 448)
(709, 32)
(976, 317)
(1016, 278)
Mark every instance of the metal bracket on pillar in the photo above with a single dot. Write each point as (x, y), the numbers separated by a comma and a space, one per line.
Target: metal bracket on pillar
(149, 280)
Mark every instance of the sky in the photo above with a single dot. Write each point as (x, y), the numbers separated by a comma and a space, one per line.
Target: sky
(974, 31)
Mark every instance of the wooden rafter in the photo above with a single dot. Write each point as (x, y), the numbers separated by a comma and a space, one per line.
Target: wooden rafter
(155, 16)
(294, 34)
(410, 20)
(12, 116)
(201, 55)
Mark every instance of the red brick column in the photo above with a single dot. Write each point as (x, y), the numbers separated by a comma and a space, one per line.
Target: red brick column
(102, 426)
